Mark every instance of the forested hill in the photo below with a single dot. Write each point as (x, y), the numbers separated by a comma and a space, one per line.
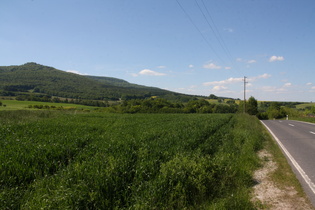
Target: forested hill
(33, 78)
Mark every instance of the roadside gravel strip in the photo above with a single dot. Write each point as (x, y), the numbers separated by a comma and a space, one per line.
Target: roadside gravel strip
(269, 194)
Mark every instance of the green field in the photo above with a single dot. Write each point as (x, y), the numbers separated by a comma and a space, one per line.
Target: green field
(59, 160)
(23, 105)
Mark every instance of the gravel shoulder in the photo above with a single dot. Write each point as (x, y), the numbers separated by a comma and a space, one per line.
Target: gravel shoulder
(267, 194)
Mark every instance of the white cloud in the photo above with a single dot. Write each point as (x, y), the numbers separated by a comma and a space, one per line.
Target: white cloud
(309, 83)
(211, 66)
(219, 88)
(232, 80)
(76, 72)
(239, 59)
(313, 88)
(149, 72)
(251, 61)
(224, 82)
(230, 30)
(288, 84)
(227, 67)
(276, 58)
(161, 67)
(191, 66)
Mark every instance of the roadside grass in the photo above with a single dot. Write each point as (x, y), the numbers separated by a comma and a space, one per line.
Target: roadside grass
(304, 119)
(24, 105)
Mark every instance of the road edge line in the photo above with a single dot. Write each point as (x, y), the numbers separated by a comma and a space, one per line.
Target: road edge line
(296, 165)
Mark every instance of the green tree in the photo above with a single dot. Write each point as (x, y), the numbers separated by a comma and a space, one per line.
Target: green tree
(252, 106)
(275, 111)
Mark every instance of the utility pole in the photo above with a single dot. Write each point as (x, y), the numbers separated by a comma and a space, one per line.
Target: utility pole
(245, 94)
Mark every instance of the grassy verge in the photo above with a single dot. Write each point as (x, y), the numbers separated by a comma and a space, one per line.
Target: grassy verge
(305, 119)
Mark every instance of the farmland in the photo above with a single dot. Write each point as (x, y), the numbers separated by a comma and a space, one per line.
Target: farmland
(63, 160)
(27, 105)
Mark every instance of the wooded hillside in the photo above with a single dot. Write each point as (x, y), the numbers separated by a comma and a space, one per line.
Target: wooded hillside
(39, 79)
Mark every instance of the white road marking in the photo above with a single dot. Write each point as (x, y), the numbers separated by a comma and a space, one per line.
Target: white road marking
(296, 165)
(280, 121)
(291, 125)
(312, 132)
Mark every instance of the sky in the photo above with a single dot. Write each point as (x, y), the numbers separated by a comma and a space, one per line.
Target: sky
(197, 47)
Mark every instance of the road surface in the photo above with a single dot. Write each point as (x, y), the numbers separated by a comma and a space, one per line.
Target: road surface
(297, 140)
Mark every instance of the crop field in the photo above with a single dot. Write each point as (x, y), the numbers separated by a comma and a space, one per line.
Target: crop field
(62, 160)
(10, 105)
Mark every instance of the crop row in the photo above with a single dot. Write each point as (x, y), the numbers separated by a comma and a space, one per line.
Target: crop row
(143, 161)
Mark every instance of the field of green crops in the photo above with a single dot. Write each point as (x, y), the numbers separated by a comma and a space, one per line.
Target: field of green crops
(61, 160)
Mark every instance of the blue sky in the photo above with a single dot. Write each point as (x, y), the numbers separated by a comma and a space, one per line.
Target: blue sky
(198, 47)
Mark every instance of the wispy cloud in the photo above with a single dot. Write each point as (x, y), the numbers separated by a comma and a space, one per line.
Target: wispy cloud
(161, 67)
(276, 58)
(211, 66)
(232, 80)
(191, 66)
(230, 30)
(251, 61)
(219, 88)
(149, 72)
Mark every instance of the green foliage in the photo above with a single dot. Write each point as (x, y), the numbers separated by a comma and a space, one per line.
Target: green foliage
(110, 161)
(160, 105)
(275, 111)
(252, 106)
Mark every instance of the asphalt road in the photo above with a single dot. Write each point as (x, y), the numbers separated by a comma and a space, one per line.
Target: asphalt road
(297, 140)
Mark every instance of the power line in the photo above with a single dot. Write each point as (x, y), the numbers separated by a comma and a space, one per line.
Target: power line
(204, 38)
(215, 30)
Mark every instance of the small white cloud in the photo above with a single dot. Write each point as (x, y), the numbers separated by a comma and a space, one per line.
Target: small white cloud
(309, 83)
(211, 66)
(227, 67)
(313, 88)
(239, 59)
(251, 61)
(276, 58)
(191, 66)
(149, 72)
(76, 72)
(223, 82)
(288, 84)
(230, 30)
(232, 80)
(161, 67)
(219, 87)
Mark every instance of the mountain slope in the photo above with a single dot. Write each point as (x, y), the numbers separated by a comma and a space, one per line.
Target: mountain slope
(36, 78)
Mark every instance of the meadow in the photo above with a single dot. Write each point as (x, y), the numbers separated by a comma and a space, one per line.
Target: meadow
(9, 105)
(68, 160)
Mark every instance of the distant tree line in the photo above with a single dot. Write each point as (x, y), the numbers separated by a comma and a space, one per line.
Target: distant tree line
(45, 98)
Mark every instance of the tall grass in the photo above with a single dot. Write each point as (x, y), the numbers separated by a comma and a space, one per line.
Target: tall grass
(144, 161)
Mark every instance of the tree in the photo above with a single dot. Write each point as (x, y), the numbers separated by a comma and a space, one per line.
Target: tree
(212, 96)
(252, 106)
(275, 111)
